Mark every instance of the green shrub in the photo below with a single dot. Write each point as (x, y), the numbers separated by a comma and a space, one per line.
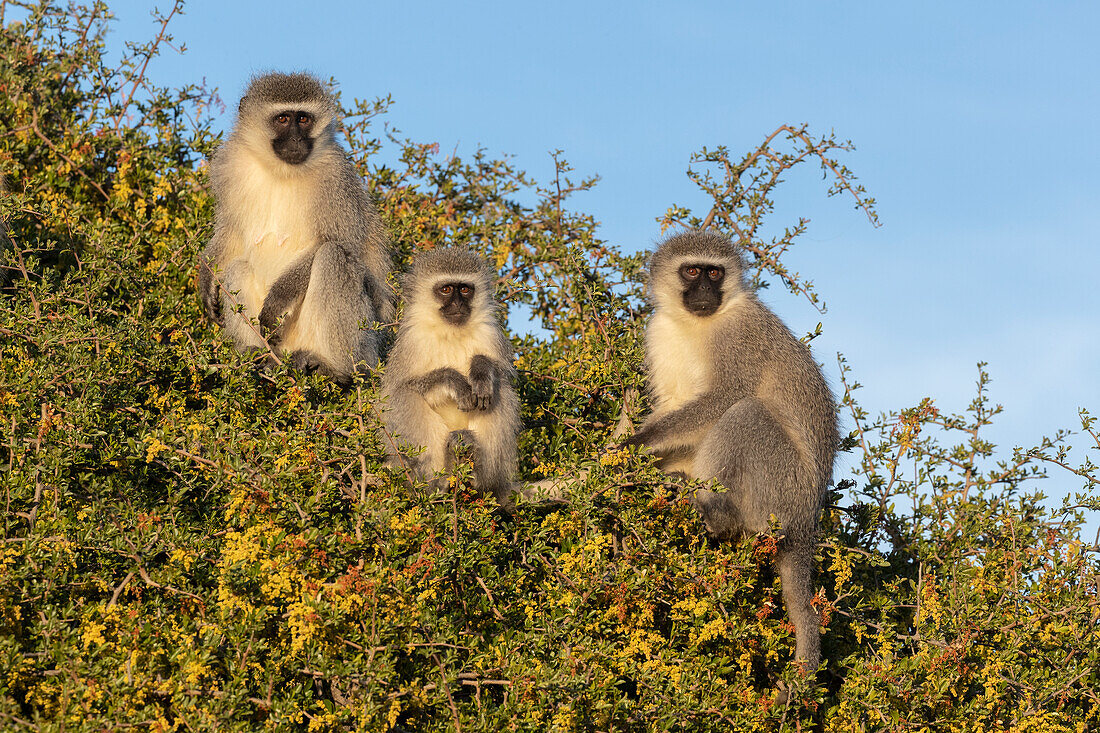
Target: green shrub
(193, 543)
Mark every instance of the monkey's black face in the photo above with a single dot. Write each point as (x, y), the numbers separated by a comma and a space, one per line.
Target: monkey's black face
(293, 136)
(455, 301)
(702, 287)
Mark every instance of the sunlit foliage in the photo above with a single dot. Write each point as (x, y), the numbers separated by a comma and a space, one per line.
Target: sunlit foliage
(191, 542)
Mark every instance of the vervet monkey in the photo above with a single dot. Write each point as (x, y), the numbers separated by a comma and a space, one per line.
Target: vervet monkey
(737, 398)
(448, 378)
(296, 235)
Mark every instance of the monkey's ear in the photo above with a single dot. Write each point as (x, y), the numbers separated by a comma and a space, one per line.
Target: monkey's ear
(240, 105)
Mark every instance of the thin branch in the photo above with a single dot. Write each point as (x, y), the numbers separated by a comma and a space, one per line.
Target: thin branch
(150, 52)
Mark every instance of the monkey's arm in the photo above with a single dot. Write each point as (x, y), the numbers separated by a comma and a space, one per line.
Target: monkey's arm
(682, 427)
(485, 378)
(676, 428)
(447, 379)
(285, 294)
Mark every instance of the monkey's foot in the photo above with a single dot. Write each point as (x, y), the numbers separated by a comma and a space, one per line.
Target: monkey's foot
(718, 514)
(310, 362)
(462, 444)
(260, 357)
(783, 693)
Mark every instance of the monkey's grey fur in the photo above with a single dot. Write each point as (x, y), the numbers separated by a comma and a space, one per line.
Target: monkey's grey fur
(447, 385)
(298, 240)
(737, 398)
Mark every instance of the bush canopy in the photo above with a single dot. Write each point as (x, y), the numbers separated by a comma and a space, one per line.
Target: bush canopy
(191, 542)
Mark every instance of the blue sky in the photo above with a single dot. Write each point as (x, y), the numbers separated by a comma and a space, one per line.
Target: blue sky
(975, 126)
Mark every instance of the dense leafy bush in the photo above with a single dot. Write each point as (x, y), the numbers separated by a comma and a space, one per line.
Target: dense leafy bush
(192, 543)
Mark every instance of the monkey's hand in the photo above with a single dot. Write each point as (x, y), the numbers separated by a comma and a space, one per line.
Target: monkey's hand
(481, 394)
(483, 382)
(643, 439)
(464, 396)
(208, 291)
(212, 305)
(643, 436)
(269, 323)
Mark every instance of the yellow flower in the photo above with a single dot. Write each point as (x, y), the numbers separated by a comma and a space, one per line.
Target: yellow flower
(93, 635)
(155, 448)
(615, 457)
(394, 713)
(303, 623)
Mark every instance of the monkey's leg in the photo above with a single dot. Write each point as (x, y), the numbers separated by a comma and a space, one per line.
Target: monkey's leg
(420, 426)
(750, 452)
(379, 265)
(285, 297)
(240, 293)
(456, 445)
(326, 336)
(722, 455)
(462, 442)
(719, 512)
(495, 432)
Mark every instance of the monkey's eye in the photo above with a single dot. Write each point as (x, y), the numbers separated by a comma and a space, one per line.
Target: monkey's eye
(446, 289)
(716, 273)
(304, 120)
(466, 290)
(690, 272)
(282, 119)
